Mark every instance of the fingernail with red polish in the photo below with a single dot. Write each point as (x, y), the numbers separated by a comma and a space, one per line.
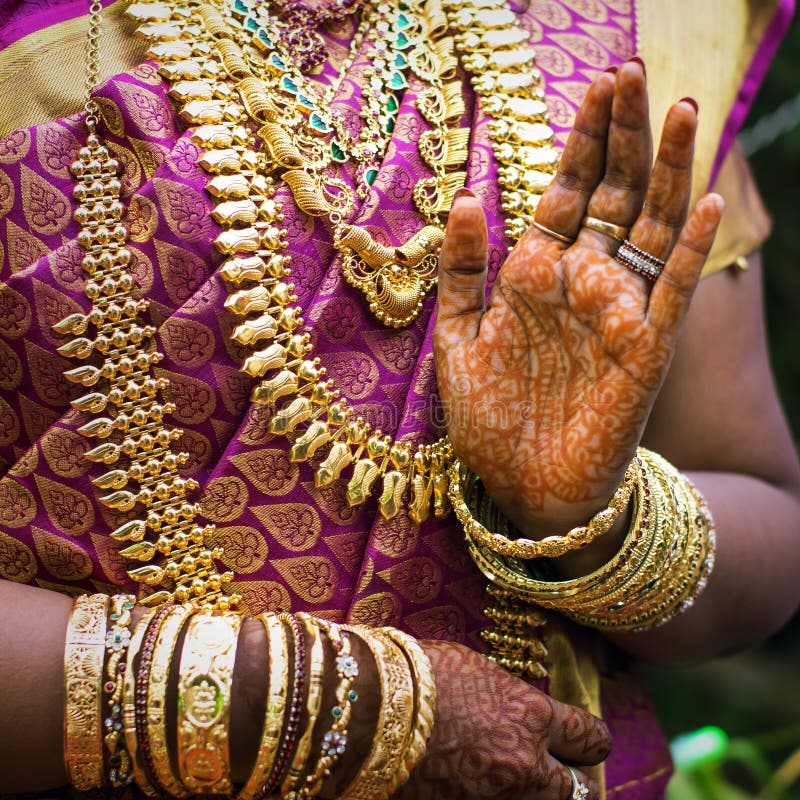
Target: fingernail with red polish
(640, 62)
(691, 101)
(612, 70)
(462, 192)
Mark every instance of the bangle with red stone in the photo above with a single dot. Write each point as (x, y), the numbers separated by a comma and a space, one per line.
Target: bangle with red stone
(293, 721)
(142, 681)
(118, 637)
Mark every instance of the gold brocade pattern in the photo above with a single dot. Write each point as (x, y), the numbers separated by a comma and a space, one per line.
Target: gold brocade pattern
(29, 61)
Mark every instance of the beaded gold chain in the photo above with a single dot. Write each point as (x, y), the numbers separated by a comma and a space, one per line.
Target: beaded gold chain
(121, 356)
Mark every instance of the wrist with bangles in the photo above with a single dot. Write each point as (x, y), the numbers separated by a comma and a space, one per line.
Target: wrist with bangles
(661, 567)
(184, 658)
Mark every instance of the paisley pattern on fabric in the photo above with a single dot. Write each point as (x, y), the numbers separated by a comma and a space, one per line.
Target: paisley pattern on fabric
(292, 545)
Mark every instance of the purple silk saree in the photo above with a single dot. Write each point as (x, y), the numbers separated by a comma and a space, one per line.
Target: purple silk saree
(291, 545)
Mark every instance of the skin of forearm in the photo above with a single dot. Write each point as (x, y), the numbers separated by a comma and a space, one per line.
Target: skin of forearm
(33, 626)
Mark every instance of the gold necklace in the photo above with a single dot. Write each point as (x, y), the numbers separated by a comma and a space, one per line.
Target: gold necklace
(244, 196)
(255, 256)
(135, 425)
(394, 280)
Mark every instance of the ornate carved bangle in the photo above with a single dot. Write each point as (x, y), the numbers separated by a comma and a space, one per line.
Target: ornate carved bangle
(83, 675)
(129, 705)
(275, 713)
(313, 705)
(118, 638)
(425, 702)
(395, 720)
(462, 488)
(204, 702)
(164, 777)
(334, 742)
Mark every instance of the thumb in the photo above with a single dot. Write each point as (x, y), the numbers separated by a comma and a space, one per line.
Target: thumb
(462, 271)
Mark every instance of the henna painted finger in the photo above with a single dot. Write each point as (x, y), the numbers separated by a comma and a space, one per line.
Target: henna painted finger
(658, 227)
(619, 197)
(576, 736)
(462, 273)
(581, 167)
(669, 300)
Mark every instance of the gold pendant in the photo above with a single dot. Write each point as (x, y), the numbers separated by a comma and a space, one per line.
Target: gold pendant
(395, 293)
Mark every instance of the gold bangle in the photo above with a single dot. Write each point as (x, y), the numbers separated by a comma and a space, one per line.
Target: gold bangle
(163, 775)
(511, 575)
(313, 705)
(644, 595)
(129, 704)
(118, 638)
(662, 567)
(462, 485)
(682, 567)
(334, 741)
(83, 676)
(204, 702)
(278, 643)
(395, 720)
(141, 757)
(424, 706)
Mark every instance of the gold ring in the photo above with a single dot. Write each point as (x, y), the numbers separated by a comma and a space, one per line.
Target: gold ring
(559, 236)
(608, 228)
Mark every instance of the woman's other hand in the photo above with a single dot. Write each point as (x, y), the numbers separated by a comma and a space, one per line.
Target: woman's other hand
(495, 736)
(548, 389)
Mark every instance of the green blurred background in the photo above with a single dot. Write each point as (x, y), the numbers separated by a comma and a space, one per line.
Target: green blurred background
(753, 699)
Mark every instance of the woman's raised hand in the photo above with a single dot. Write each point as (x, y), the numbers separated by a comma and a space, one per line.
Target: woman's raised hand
(497, 737)
(548, 388)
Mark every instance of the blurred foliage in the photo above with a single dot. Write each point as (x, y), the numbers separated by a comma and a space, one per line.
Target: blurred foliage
(710, 765)
(754, 697)
(772, 166)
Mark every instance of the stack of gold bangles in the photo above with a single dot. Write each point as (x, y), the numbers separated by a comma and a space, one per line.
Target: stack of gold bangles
(662, 566)
(177, 665)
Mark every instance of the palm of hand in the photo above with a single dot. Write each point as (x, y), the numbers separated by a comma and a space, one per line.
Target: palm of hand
(547, 391)
(562, 374)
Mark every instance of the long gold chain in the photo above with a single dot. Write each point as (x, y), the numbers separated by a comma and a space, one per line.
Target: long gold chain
(120, 358)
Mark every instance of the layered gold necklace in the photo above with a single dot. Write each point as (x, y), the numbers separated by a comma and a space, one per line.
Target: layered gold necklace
(261, 123)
